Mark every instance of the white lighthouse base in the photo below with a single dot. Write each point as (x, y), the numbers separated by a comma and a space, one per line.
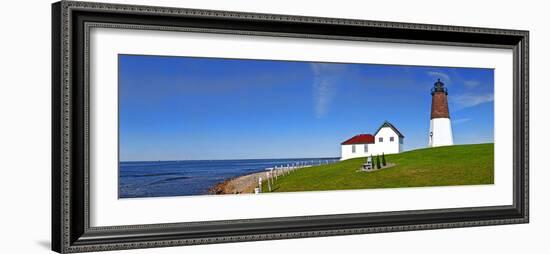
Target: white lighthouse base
(441, 133)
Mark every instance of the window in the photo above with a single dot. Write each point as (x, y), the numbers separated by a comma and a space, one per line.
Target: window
(380, 139)
(352, 148)
(365, 147)
(391, 139)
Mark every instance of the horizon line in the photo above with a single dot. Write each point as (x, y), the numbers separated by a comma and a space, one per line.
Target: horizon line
(297, 158)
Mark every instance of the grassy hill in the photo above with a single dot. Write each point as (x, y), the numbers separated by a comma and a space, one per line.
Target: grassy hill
(440, 166)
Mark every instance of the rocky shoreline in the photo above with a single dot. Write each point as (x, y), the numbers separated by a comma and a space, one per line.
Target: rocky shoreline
(247, 183)
(238, 185)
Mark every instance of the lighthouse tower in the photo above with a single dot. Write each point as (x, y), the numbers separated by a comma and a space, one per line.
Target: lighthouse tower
(441, 133)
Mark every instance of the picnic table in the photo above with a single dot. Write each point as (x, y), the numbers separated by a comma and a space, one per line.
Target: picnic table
(368, 165)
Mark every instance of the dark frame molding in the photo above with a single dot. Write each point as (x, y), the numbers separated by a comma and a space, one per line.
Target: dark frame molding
(71, 22)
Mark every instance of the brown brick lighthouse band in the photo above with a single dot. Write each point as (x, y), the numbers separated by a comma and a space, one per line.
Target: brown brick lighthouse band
(440, 107)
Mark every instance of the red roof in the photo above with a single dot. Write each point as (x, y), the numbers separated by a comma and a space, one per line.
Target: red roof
(360, 139)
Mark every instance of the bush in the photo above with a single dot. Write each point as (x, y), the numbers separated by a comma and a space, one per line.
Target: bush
(383, 160)
(371, 162)
(378, 161)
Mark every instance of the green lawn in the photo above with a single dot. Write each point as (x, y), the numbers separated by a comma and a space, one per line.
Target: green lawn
(441, 166)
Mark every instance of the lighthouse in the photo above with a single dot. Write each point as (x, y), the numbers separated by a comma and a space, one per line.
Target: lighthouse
(441, 133)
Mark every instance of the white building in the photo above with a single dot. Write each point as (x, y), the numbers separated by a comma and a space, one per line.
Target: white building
(386, 140)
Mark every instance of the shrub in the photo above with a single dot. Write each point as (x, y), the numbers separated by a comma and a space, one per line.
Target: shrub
(383, 160)
(378, 161)
(371, 162)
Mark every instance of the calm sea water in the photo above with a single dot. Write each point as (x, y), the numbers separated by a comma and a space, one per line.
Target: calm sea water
(182, 178)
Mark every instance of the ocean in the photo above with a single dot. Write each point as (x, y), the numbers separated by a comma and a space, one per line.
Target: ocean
(191, 177)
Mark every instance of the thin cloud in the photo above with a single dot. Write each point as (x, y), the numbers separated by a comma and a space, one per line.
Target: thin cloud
(443, 76)
(324, 85)
(461, 120)
(471, 83)
(470, 100)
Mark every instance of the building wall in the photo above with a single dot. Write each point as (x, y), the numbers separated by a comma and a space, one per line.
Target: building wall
(386, 146)
(441, 133)
(347, 151)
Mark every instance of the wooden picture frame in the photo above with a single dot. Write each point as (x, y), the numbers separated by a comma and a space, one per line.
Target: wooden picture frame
(71, 231)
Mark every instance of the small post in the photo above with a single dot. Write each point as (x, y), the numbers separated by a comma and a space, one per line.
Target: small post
(260, 184)
(268, 181)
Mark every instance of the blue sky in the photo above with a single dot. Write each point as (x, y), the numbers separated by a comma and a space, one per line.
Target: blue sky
(183, 108)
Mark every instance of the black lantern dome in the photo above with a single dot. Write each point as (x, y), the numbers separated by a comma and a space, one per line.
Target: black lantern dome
(439, 87)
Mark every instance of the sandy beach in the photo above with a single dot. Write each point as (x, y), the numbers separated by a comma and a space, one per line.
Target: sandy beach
(238, 185)
(247, 183)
